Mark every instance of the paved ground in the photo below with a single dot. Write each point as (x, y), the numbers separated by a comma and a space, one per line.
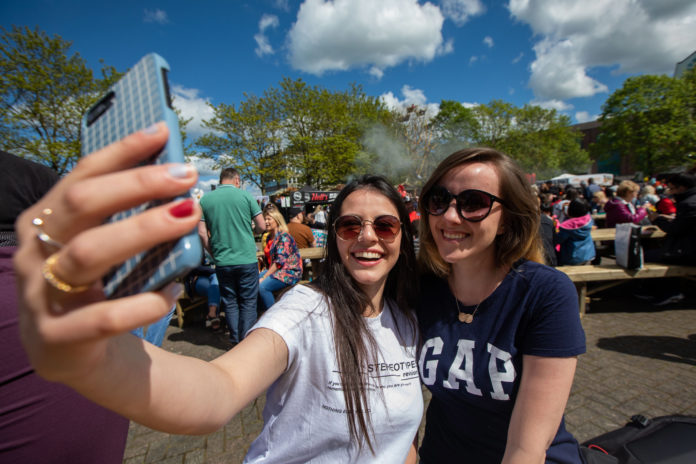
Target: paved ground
(640, 360)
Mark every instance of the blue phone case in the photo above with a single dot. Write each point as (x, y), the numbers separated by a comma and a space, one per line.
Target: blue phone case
(138, 100)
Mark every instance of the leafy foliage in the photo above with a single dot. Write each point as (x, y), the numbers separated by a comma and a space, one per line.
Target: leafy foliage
(652, 121)
(293, 130)
(542, 141)
(43, 95)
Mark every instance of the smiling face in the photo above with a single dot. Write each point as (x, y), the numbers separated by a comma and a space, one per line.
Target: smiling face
(271, 224)
(460, 241)
(367, 258)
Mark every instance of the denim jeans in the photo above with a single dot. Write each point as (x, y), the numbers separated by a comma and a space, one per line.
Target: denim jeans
(208, 286)
(266, 289)
(154, 333)
(239, 288)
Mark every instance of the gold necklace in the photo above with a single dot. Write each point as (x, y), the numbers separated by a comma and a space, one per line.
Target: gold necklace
(466, 318)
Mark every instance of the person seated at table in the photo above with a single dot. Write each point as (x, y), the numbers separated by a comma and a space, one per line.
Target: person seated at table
(665, 205)
(548, 231)
(647, 196)
(284, 262)
(202, 281)
(680, 243)
(298, 229)
(599, 199)
(621, 208)
(560, 208)
(574, 235)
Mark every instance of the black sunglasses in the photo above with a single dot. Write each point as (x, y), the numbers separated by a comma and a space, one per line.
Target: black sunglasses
(349, 227)
(472, 205)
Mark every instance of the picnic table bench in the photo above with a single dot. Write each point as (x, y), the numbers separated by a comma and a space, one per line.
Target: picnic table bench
(609, 234)
(613, 274)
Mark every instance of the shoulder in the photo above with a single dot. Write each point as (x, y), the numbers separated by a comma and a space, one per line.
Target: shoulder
(284, 237)
(540, 277)
(295, 306)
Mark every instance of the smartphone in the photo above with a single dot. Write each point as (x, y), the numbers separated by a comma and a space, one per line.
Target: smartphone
(138, 100)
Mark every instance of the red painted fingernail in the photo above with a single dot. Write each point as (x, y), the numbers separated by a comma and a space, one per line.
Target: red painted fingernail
(183, 209)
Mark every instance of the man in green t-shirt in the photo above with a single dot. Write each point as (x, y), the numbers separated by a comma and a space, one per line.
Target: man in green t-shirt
(229, 213)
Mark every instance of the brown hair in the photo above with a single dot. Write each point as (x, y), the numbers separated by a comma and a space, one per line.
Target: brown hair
(520, 237)
(626, 187)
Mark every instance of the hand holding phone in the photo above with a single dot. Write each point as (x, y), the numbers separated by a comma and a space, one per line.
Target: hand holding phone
(138, 100)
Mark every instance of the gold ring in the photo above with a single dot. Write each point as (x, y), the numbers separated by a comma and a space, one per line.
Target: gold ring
(38, 223)
(51, 278)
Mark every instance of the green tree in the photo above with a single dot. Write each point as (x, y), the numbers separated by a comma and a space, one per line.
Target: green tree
(249, 137)
(293, 130)
(652, 121)
(455, 124)
(541, 140)
(183, 124)
(324, 130)
(44, 92)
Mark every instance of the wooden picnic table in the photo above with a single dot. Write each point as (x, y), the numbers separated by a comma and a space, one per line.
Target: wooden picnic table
(611, 274)
(608, 234)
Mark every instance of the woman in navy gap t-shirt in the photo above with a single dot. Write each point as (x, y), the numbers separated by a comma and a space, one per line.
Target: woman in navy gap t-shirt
(501, 332)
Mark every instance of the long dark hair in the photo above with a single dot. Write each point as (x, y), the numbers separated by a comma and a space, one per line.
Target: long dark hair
(355, 346)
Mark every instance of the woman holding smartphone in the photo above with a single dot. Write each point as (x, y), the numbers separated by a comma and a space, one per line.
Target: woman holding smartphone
(337, 358)
(501, 331)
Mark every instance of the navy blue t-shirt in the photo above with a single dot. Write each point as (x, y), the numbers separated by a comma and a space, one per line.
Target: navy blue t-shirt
(473, 370)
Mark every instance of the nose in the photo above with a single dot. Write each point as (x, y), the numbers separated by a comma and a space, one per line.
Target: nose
(451, 213)
(367, 232)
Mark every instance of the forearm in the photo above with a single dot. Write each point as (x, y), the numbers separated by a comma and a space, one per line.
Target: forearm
(271, 270)
(539, 406)
(159, 389)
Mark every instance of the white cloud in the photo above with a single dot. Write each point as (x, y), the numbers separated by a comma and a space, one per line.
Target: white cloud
(192, 106)
(518, 58)
(473, 60)
(282, 5)
(459, 11)
(376, 72)
(206, 166)
(263, 46)
(411, 97)
(557, 105)
(488, 40)
(344, 34)
(575, 36)
(156, 16)
(584, 116)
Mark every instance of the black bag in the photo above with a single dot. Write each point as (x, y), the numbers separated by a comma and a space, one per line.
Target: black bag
(662, 440)
(629, 252)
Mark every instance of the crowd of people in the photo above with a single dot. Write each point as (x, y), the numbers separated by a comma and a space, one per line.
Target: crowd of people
(477, 316)
(670, 204)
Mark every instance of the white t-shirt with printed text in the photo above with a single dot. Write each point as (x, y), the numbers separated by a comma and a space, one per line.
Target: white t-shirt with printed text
(304, 416)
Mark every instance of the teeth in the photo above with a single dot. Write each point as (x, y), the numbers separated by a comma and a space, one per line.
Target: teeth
(453, 236)
(368, 255)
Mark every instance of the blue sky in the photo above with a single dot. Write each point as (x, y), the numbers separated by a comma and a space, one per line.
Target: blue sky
(563, 54)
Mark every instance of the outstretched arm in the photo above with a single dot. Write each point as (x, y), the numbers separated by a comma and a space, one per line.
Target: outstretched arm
(80, 339)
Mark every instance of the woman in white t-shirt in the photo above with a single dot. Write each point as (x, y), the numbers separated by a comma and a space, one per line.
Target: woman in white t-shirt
(337, 358)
